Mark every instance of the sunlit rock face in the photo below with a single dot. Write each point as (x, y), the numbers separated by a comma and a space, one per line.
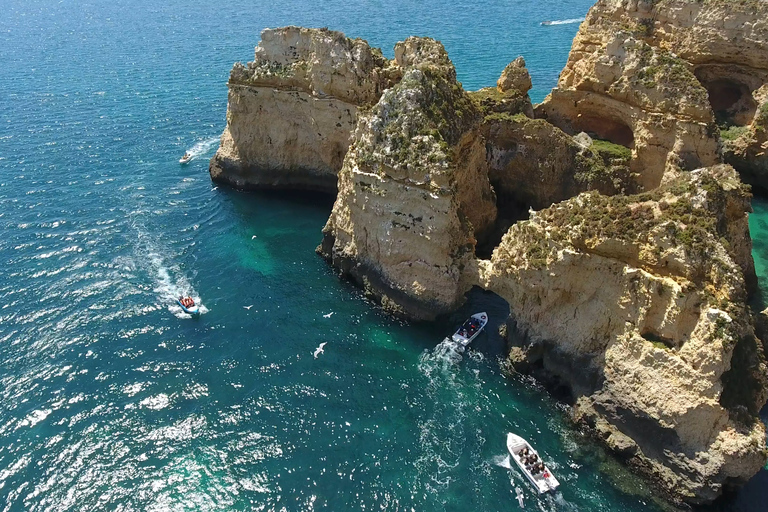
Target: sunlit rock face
(413, 192)
(637, 304)
(659, 77)
(291, 111)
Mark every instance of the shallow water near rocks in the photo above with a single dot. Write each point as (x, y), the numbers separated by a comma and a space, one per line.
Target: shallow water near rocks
(112, 398)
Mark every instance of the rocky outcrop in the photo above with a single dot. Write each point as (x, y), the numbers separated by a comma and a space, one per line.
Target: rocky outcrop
(510, 96)
(291, 111)
(655, 75)
(636, 95)
(634, 303)
(637, 304)
(534, 164)
(746, 148)
(413, 192)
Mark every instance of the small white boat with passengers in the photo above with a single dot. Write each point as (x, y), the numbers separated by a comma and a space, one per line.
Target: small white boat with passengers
(188, 305)
(470, 329)
(186, 158)
(529, 462)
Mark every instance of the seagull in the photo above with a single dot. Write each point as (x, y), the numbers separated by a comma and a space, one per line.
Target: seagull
(214, 188)
(328, 315)
(254, 236)
(248, 307)
(319, 350)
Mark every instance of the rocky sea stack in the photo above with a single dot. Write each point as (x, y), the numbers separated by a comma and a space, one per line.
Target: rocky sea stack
(608, 217)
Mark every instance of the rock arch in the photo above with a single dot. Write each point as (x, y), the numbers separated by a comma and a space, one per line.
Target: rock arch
(730, 90)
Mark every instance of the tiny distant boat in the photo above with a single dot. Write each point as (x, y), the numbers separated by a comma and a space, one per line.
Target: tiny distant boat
(527, 459)
(546, 22)
(186, 158)
(192, 309)
(470, 329)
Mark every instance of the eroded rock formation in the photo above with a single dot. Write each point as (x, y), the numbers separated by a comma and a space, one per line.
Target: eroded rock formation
(635, 303)
(413, 191)
(638, 305)
(656, 76)
(746, 148)
(291, 111)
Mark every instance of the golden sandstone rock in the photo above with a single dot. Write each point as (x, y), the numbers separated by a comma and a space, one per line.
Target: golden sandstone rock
(629, 279)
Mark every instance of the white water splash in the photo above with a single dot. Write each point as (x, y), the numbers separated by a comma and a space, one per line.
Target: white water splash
(563, 22)
(169, 289)
(202, 147)
(446, 354)
(502, 461)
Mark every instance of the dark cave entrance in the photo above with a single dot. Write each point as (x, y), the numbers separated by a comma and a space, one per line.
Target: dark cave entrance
(730, 99)
(511, 209)
(605, 128)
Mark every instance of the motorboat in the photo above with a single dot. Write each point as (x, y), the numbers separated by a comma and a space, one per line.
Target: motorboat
(546, 22)
(193, 310)
(529, 462)
(186, 158)
(470, 329)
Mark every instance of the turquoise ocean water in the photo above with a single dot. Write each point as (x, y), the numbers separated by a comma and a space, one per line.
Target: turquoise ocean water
(110, 399)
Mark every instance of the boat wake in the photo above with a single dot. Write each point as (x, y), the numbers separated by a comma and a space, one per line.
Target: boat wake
(168, 289)
(446, 354)
(563, 22)
(202, 147)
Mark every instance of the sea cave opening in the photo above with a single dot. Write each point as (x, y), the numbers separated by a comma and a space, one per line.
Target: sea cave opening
(605, 128)
(511, 208)
(730, 98)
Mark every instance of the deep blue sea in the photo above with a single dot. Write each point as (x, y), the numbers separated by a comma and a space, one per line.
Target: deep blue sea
(112, 399)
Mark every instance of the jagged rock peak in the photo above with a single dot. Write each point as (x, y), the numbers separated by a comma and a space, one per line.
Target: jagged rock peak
(515, 76)
(421, 51)
(319, 61)
(413, 193)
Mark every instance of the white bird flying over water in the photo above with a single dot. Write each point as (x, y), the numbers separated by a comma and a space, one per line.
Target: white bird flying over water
(253, 237)
(328, 315)
(319, 350)
(248, 307)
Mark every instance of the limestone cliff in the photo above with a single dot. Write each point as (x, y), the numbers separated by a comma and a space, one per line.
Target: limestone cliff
(656, 75)
(413, 191)
(292, 110)
(637, 303)
(746, 148)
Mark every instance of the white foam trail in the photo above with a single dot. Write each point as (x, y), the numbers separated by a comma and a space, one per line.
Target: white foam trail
(168, 289)
(564, 22)
(446, 354)
(502, 461)
(202, 147)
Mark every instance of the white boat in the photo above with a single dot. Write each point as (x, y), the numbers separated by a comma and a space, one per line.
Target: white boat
(470, 329)
(192, 310)
(529, 462)
(186, 158)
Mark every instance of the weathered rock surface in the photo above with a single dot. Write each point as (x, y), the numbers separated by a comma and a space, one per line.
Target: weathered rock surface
(533, 164)
(636, 304)
(748, 150)
(413, 191)
(510, 96)
(654, 76)
(292, 110)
